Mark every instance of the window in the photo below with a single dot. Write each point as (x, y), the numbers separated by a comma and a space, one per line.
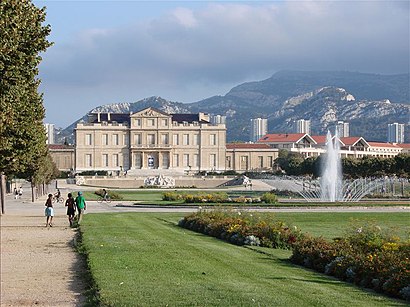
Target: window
(88, 139)
(185, 139)
(212, 139)
(196, 139)
(164, 139)
(151, 122)
(196, 160)
(115, 160)
(151, 139)
(125, 139)
(105, 160)
(164, 122)
(186, 160)
(270, 161)
(138, 160)
(212, 161)
(115, 139)
(228, 162)
(138, 122)
(138, 139)
(176, 160)
(105, 139)
(88, 160)
(176, 139)
(260, 161)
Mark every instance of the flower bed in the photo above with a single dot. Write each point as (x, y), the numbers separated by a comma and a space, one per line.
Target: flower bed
(242, 228)
(368, 258)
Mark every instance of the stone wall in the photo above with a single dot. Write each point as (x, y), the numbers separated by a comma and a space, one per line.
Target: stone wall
(137, 182)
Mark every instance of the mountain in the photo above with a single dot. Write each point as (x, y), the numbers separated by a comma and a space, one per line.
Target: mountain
(367, 101)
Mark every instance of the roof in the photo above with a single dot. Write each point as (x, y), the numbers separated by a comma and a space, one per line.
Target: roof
(404, 145)
(247, 146)
(282, 138)
(114, 117)
(60, 146)
(387, 145)
(181, 117)
(351, 140)
(319, 139)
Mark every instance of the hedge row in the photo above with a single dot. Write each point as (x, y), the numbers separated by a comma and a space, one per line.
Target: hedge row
(218, 197)
(368, 258)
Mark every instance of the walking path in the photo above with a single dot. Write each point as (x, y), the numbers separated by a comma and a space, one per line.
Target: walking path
(39, 265)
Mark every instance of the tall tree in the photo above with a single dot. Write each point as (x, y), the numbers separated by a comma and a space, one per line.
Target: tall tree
(22, 38)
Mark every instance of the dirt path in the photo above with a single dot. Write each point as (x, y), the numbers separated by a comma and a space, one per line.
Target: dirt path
(39, 265)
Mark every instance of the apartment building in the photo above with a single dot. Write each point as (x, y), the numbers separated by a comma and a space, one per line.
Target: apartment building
(259, 127)
(395, 133)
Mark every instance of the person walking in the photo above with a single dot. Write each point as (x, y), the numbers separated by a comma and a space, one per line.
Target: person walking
(70, 204)
(20, 192)
(81, 206)
(49, 212)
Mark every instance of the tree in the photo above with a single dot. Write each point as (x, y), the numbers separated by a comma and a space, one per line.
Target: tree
(22, 38)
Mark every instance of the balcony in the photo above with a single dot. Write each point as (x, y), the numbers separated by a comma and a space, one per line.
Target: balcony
(150, 146)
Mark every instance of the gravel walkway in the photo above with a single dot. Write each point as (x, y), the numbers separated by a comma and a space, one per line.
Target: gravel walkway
(39, 265)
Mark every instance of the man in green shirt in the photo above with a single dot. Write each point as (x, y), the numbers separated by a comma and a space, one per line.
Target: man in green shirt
(81, 206)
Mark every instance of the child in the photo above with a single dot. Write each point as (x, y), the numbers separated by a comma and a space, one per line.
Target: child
(70, 204)
(49, 212)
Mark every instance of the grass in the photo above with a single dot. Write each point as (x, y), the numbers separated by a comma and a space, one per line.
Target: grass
(331, 225)
(144, 259)
(154, 198)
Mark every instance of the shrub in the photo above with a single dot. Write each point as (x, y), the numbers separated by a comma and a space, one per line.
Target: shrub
(171, 196)
(367, 256)
(269, 198)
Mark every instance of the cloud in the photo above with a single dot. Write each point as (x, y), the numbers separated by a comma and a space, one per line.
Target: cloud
(191, 54)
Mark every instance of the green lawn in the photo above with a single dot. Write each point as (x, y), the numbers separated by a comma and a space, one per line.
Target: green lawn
(144, 259)
(331, 225)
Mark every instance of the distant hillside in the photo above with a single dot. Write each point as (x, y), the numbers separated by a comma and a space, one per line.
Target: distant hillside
(368, 101)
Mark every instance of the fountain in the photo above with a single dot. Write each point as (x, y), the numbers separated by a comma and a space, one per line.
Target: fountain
(331, 178)
(331, 187)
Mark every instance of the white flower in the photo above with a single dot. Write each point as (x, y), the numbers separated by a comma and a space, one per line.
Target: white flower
(359, 230)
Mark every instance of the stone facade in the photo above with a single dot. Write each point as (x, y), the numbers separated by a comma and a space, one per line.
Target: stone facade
(243, 157)
(150, 139)
(63, 156)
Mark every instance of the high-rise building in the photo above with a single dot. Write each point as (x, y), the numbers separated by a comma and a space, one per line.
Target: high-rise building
(342, 129)
(395, 133)
(218, 119)
(259, 127)
(49, 133)
(302, 126)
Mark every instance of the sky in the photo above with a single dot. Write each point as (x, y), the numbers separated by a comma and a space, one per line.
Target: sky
(123, 51)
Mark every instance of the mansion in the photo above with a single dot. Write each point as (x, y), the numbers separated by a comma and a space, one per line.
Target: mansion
(152, 141)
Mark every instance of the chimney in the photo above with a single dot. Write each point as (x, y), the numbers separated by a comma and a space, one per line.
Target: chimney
(108, 116)
(98, 117)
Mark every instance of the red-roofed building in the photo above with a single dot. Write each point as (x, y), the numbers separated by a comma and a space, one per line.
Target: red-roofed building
(63, 156)
(405, 147)
(354, 146)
